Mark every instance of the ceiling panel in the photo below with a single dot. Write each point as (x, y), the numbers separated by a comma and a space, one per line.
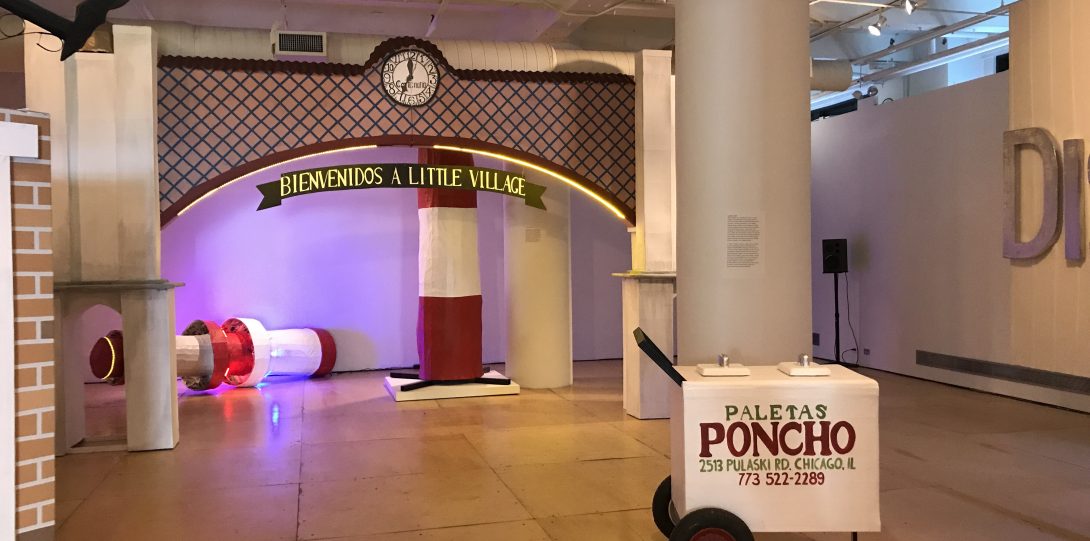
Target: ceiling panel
(634, 25)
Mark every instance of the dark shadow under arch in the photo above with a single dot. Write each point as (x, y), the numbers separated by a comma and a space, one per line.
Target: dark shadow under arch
(210, 185)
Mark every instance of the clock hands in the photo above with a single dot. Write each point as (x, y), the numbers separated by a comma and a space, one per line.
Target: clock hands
(409, 78)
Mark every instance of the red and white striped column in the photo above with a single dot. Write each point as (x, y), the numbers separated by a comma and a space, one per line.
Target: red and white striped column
(448, 328)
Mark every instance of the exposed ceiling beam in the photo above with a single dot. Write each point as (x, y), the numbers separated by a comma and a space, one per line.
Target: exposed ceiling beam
(570, 18)
(843, 24)
(931, 34)
(941, 58)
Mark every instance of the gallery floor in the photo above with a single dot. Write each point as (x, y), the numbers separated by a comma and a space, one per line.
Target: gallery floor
(336, 459)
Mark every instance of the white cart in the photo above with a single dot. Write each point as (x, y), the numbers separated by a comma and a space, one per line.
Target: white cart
(768, 452)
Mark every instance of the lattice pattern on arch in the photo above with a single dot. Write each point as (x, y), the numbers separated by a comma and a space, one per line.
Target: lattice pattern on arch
(215, 115)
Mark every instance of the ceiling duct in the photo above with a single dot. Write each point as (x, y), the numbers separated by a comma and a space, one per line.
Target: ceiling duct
(179, 39)
(295, 44)
(830, 75)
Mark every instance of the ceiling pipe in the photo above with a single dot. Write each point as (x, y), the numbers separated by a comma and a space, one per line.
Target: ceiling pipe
(434, 23)
(980, 46)
(830, 75)
(948, 56)
(932, 34)
(180, 39)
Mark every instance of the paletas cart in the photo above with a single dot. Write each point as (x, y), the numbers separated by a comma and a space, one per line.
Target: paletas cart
(768, 451)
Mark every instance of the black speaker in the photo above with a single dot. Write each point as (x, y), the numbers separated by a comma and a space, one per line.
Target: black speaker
(834, 255)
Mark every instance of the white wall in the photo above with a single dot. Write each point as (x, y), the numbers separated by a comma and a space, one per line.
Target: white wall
(599, 247)
(916, 187)
(12, 95)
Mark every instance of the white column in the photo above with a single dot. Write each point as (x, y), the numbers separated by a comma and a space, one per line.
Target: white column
(743, 150)
(136, 100)
(538, 268)
(86, 219)
(45, 93)
(94, 201)
(1048, 78)
(648, 290)
(653, 240)
(649, 305)
(112, 224)
(151, 373)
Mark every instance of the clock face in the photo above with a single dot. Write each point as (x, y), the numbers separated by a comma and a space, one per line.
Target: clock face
(410, 77)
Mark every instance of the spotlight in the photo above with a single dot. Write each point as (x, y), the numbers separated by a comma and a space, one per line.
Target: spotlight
(876, 28)
(911, 6)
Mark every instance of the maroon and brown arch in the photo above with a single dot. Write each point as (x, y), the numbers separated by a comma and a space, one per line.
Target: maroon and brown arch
(587, 186)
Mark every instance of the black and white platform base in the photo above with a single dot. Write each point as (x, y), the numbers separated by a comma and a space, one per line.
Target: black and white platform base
(403, 387)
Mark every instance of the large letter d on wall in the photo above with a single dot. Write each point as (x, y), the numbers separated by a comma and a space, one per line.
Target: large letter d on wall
(1049, 230)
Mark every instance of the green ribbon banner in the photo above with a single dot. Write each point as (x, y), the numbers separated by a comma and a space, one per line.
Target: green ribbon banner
(398, 175)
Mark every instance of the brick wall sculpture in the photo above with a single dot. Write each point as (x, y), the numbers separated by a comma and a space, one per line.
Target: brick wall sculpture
(32, 230)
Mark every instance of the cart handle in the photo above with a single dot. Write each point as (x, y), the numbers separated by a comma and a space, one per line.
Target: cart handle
(657, 356)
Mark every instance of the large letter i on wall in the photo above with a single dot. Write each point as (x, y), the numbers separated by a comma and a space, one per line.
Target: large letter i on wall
(1074, 150)
(1049, 229)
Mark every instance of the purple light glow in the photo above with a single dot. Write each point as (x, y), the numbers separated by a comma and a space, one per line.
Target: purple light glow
(343, 261)
(347, 262)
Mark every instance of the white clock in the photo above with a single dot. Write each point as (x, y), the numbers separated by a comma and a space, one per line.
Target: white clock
(410, 77)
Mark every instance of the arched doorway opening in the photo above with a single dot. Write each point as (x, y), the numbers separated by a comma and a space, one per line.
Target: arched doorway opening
(346, 261)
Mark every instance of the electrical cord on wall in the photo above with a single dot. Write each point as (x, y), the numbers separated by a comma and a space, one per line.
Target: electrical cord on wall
(22, 32)
(848, 299)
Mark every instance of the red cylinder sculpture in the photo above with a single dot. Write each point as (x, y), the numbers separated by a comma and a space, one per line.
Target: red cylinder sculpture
(240, 352)
(448, 329)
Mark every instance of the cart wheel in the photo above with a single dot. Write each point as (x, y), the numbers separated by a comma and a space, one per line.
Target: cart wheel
(662, 508)
(711, 525)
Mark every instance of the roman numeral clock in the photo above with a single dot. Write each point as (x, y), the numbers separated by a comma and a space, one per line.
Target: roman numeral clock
(410, 77)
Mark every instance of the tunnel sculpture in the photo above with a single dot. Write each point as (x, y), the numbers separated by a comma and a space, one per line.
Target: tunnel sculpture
(240, 352)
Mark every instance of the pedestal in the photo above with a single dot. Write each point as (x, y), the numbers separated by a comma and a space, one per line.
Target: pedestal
(436, 392)
(648, 303)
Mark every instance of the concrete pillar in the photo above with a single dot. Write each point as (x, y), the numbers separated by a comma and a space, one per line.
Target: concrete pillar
(85, 218)
(111, 227)
(538, 268)
(653, 239)
(94, 202)
(743, 191)
(136, 102)
(1048, 80)
(649, 305)
(648, 289)
(45, 92)
(151, 392)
